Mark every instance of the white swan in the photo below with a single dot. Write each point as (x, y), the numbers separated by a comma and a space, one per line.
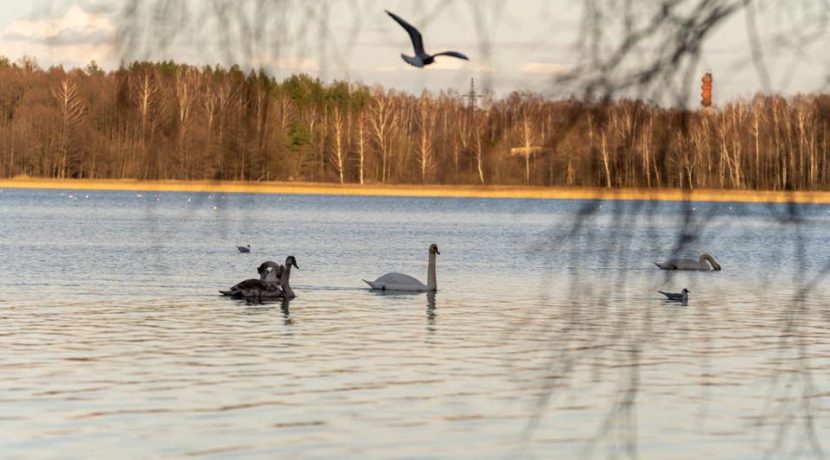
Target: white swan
(690, 264)
(400, 282)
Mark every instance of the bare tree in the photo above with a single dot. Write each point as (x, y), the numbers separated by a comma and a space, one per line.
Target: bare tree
(426, 122)
(338, 149)
(362, 140)
(187, 86)
(383, 122)
(72, 108)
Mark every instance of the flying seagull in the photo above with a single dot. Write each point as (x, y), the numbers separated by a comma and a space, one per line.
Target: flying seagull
(421, 57)
(677, 296)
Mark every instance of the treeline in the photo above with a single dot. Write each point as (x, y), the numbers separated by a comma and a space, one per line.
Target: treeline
(170, 121)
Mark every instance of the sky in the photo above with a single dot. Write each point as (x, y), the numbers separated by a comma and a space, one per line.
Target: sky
(530, 43)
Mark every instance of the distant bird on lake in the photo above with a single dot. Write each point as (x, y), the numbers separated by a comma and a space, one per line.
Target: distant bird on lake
(244, 249)
(400, 282)
(690, 264)
(421, 57)
(682, 296)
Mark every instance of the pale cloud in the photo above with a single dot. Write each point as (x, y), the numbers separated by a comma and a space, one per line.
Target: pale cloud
(547, 68)
(73, 39)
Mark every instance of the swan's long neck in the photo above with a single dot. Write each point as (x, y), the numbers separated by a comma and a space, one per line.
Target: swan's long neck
(707, 258)
(432, 284)
(286, 288)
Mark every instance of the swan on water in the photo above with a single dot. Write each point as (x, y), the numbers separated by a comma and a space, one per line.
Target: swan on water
(682, 296)
(288, 293)
(400, 282)
(690, 264)
(273, 282)
(267, 284)
(244, 249)
(421, 57)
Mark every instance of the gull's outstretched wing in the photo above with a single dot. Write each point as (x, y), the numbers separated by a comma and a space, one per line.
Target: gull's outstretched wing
(414, 35)
(453, 54)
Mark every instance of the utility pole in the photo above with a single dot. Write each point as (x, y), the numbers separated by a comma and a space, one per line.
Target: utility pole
(472, 96)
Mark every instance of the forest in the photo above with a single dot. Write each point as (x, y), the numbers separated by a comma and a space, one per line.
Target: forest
(167, 121)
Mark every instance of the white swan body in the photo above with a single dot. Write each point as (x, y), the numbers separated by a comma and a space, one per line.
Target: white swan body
(397, 282)
(400, 282)
(690, 264)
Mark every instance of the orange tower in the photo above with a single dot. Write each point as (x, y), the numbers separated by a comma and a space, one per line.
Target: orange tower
(706, 90)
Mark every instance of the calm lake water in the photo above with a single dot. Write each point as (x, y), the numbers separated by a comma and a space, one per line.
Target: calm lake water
(547, 338)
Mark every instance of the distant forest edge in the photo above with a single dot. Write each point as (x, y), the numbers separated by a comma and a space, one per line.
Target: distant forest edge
(165, 121)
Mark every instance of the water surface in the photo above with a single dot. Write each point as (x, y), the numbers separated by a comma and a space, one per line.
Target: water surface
(547, 338)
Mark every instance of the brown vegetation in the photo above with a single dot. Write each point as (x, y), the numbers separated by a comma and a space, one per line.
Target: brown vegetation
(163, 121)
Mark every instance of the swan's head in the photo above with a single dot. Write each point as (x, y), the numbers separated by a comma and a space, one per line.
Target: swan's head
(291, 261)
(433, 249)
(267, 266)
(686, 291)
(715, 265)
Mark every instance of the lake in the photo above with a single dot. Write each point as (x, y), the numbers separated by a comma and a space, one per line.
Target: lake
(547, 337)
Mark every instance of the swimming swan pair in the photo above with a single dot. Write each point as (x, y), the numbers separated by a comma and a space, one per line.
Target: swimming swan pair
(272, 283)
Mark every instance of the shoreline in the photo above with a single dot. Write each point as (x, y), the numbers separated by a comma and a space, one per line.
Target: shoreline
(431, 191)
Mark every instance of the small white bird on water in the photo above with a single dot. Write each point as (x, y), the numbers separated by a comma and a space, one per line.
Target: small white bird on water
(421, 57)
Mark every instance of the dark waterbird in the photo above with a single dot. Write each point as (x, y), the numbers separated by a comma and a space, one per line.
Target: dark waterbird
(244, 249)
(421, 57)
(268, 282)
(682, 296)
(273, 282)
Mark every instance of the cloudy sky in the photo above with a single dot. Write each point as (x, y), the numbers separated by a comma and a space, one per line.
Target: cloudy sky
(513, 45)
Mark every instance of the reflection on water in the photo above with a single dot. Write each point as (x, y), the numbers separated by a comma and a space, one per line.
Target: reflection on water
(431, 311)
(547, 339)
